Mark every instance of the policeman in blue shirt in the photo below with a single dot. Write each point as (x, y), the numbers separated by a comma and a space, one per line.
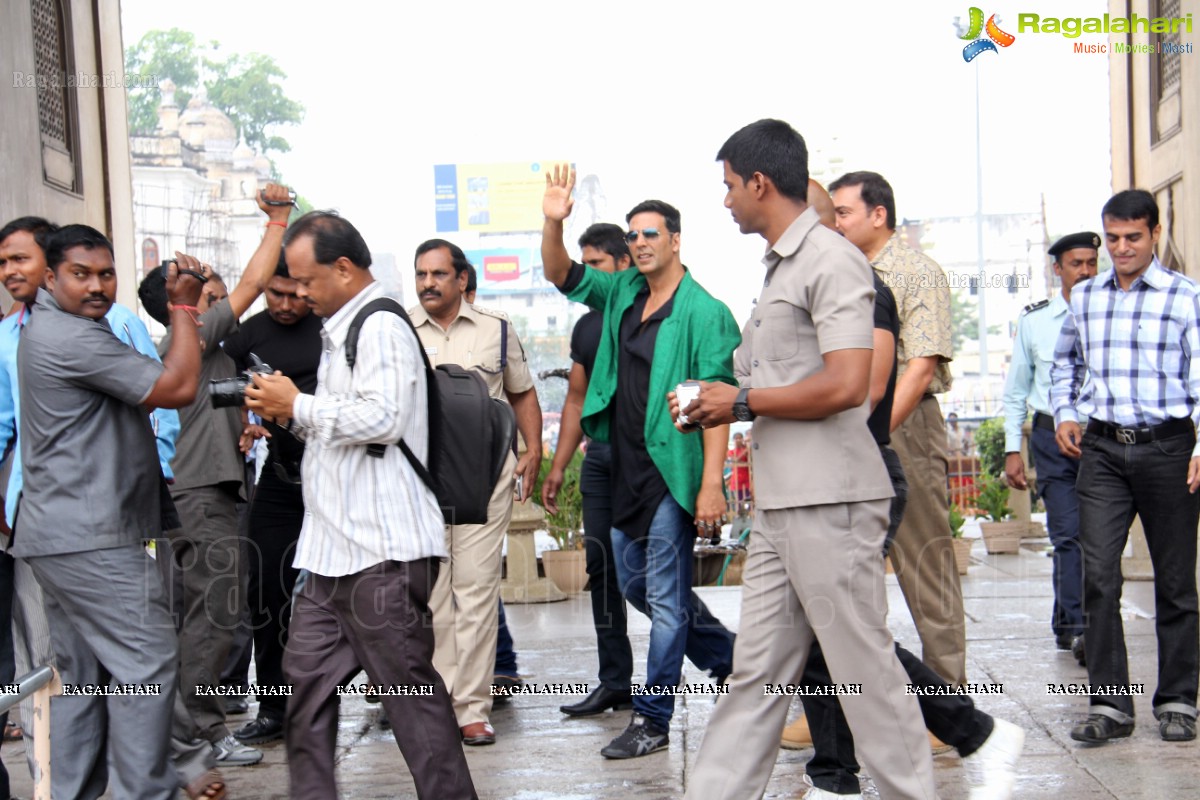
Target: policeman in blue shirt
(1028, 386)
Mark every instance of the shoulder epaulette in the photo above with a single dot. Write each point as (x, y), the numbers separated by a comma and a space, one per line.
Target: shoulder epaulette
(490, 312)
(1035, 306)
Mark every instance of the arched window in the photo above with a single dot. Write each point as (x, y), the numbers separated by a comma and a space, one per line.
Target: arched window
(149, 255)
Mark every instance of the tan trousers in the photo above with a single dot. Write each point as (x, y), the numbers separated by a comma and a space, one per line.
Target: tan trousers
(466, 606)
(923, 554)
(811, 571)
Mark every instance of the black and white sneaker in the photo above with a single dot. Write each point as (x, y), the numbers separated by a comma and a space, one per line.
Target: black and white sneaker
(639, 739)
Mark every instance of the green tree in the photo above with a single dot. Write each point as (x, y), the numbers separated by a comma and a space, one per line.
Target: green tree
(160, 55)
(248, 88)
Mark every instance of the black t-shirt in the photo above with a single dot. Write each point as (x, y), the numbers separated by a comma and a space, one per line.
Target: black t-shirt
(638, 486)
(294, 350)
(585, 340)
(886, 318)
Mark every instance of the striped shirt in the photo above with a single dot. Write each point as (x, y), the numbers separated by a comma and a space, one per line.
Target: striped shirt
(1125, 357)
(360, 510)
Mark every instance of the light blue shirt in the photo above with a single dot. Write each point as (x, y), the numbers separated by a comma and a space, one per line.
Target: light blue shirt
(1028, 384)
(130, 330)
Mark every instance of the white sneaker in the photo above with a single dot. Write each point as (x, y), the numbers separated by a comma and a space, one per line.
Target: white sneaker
(991, 770)
(814, 793)
(232, 753)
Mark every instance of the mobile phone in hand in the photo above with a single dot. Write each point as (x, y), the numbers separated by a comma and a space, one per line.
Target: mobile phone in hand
(685, 393)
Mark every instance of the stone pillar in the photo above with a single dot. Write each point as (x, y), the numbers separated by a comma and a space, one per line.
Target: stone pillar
(523, 584)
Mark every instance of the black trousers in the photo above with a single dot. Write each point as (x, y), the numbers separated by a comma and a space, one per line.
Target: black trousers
(376, 620)
(952, 718)
(276, 516)
(1117, 481)
(608, 606)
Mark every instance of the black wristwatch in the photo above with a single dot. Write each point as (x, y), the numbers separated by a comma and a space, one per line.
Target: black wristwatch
(741, 408)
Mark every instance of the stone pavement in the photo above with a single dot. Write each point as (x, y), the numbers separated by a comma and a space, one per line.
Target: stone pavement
(540, 755)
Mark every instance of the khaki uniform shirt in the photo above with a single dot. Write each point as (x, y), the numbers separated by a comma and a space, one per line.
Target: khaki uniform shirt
(818, 296)
(473, 342)
(923, 301)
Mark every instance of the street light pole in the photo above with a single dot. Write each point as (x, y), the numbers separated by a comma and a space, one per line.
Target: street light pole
(983, 334)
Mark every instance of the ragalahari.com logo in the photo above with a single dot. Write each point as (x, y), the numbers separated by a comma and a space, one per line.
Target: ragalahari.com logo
(974, 30)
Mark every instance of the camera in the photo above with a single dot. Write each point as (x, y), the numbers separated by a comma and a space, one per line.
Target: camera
(231, 392)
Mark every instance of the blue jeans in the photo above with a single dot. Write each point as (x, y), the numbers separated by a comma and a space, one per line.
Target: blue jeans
(656, 578)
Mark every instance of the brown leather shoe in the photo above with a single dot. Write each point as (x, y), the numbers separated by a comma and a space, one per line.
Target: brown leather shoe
(478, 733)
(797, 735)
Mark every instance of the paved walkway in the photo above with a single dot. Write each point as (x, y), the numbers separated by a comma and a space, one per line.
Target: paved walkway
(540, 755)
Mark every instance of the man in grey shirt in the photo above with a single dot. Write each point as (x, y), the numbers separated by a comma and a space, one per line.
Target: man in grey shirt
(90, 498)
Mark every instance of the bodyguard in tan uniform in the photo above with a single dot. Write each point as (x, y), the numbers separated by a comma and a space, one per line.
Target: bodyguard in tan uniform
(822, 492)
(466, 598)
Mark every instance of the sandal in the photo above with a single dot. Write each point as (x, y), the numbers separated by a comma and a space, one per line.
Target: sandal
(209, 786)
(13, 732)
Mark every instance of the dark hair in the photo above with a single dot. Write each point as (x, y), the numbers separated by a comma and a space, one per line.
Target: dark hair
(39, 227)
(333, 238)
(70, 236)
(1132, 204)
(472, 278)
(461, 264)
(775, 149)
(875, 191)
(607, 238)
(152, 291)
(281, 270)
(669, 213)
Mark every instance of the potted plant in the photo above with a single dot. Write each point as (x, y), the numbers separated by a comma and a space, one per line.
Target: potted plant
(566, 566)
(1001, 534)
(962, 547)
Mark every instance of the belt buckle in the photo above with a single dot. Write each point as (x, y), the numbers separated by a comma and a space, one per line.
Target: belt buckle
(1126, 435)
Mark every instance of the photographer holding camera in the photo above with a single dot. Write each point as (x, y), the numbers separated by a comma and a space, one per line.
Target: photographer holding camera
(207, 488)
(91, 496)
(288, 338)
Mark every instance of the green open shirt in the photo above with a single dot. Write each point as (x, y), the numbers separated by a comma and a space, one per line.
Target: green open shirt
(696, 342)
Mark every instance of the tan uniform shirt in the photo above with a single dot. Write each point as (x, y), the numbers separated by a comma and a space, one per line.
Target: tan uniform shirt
(818, 296)
(923, 303)
(473, 341)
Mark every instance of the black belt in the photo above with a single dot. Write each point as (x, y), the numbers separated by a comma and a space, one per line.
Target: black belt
(1043, 421)
(1174, 427)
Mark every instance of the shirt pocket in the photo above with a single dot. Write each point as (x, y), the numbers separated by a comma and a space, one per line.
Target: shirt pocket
(779, 332)
(1160, 347)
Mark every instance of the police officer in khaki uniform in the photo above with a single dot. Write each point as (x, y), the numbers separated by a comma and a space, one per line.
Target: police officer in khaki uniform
(466, 597)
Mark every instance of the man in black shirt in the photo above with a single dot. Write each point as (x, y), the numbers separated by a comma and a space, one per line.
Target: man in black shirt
(288, 338)
(988, 747)
(604, 248)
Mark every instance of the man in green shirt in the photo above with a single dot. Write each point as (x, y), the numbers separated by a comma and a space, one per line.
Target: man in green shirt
(660, 328)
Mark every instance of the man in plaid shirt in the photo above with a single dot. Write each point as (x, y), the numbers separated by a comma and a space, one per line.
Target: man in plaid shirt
(1124, 359)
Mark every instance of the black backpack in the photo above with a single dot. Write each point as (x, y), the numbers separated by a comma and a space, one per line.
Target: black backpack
(470, 432)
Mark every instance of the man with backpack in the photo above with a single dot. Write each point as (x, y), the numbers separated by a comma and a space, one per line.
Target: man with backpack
(372, 538)
(465, 601)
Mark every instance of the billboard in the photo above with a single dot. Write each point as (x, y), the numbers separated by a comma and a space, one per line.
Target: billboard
(490, 198)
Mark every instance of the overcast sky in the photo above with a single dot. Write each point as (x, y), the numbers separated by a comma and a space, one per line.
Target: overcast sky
(643, 94)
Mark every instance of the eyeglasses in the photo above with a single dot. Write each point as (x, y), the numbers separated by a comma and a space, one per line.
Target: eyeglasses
(650, 233)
